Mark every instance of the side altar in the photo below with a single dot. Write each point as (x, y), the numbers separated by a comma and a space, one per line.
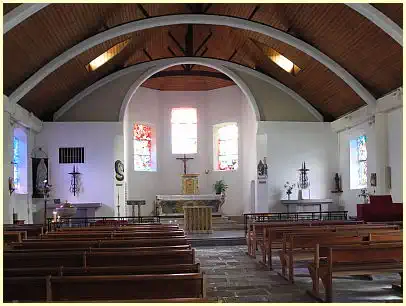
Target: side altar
(173, 204)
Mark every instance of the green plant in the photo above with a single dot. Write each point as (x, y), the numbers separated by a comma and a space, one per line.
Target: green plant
(220, 186)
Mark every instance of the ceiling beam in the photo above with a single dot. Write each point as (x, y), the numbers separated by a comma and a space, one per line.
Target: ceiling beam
(380, 19)
(202, 73)
(143, 10)
(177, 43)
(167, 20)
(204, 42)
(20, 13)
(253, 12)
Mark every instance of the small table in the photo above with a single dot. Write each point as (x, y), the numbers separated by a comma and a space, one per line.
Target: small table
(307, 202)
(138, 203)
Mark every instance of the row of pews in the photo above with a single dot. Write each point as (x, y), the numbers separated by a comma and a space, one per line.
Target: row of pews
(331, 248)
(142, 262)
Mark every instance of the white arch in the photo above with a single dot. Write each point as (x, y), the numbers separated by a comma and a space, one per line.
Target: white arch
(20, 13)
(381, 20)
(159, 65)
(148, 23)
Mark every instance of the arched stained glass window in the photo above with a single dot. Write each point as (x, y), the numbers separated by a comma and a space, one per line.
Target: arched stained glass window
(226, 146)
(143, 153)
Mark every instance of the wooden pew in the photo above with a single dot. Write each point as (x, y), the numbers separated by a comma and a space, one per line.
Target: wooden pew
(108, 270)
(372, 258)
(95, 249)
(112, 235)
(33, 230)
(85, 259)
(14, 236)
(256, 230)
(301, 246)
(106, 287)
(64, 244)
(274, 235)
(121, 228)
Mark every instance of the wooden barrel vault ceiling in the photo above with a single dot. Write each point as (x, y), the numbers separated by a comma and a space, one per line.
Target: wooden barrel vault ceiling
(351, 40)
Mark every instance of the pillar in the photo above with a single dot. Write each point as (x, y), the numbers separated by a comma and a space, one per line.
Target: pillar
(381, 154)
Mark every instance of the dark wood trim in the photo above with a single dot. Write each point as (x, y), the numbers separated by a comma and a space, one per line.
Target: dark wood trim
(207, 7)
(171, 73)
(147, 54)
(204, 42)
(253, 12)
(143, 10)
(177, 43)
(232, 55)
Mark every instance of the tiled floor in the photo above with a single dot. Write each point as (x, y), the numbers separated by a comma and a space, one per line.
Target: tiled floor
(233, 276)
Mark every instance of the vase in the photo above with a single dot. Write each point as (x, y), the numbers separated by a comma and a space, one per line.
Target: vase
(288, 196)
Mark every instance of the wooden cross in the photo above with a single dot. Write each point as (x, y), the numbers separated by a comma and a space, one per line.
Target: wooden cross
(184, 159)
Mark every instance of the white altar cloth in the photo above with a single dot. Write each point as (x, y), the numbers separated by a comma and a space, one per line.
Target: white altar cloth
(188, 197)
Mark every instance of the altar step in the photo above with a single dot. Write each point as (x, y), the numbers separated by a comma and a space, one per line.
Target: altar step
(220, 223)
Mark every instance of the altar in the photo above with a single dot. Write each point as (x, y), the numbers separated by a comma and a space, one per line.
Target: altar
(167, 205)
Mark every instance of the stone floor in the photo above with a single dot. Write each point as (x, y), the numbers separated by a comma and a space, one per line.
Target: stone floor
(233, 276)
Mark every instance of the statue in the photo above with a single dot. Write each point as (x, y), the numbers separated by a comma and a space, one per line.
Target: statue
(337, 182)
(261, 168)
(265, 167)
(42, 176)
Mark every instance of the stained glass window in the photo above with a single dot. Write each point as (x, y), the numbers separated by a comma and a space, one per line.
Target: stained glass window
(358, 163)
(362, 159)
(16, 162)
(184, 130)
(143, 148)
(226, 146)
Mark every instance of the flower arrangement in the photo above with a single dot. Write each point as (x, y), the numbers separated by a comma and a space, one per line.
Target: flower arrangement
(364, 194)
(289, 187)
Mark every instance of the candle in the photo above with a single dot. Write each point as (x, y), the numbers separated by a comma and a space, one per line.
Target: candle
(54, 213)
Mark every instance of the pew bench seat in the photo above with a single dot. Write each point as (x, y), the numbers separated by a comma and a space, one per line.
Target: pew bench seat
(106, 287)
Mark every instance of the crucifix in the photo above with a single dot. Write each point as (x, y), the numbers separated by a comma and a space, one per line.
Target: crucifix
(184, 159)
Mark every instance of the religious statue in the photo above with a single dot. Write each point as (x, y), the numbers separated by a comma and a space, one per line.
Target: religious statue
(42, 176)
(337, 182)
(261, 168)
(265, 167)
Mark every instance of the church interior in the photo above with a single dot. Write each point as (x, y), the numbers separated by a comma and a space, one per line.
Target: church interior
(219, 152)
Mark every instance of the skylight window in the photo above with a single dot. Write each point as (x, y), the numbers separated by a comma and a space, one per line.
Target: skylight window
(106, 56)
(283, 62)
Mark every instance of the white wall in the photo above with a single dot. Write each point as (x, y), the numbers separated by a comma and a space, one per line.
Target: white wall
(14, 116)
(288, 145)
(97, 178)
(383, 127)
(213, 107)
(395, 144)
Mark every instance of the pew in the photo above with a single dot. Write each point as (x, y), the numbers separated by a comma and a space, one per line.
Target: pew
(107, 270)
(273, 235)
(256, 230)
(14, 236)
(112, 235)
(85, 259)
(96, 249)
(33, 230)
(63, 244)
(121, 228)
(372, 258)
(301, 246)
(106, 287)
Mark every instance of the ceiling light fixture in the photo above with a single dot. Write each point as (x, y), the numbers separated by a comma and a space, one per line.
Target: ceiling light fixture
(282, 62)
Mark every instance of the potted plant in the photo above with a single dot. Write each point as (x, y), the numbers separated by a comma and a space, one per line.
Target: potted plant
(220, 187)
